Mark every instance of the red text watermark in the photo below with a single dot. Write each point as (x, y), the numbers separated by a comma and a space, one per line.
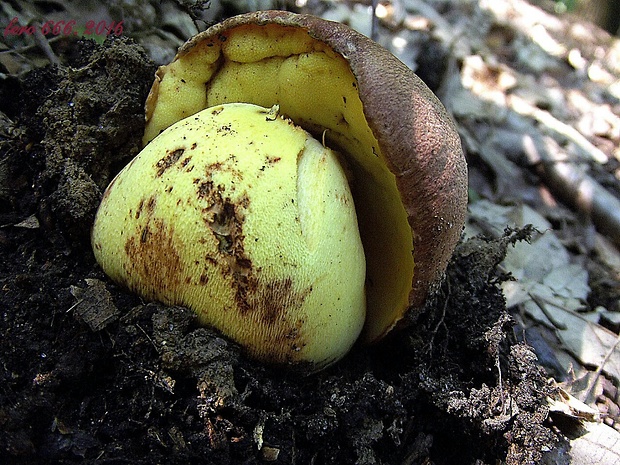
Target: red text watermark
(65, 28)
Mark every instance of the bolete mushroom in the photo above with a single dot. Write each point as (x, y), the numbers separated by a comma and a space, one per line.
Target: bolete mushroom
(402, 156)
(246, 218)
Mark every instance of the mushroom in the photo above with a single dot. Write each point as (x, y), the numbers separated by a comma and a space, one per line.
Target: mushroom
(247, 219)
(402, 158)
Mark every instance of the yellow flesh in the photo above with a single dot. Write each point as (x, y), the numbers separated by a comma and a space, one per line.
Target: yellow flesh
(268, 65)
(245, 218)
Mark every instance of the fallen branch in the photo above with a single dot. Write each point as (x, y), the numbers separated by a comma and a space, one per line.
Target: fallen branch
(571, 183)
(524, 108)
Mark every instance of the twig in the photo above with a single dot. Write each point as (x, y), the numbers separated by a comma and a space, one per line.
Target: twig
(44, 45)
(597, 373)
(374, 26)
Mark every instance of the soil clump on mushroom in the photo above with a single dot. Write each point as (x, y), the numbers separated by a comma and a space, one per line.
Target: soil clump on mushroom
(91, 374)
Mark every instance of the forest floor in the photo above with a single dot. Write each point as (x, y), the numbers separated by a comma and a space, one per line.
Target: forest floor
(92, 374)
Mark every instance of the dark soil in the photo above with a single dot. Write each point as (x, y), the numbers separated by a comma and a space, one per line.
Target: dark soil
(91, 374)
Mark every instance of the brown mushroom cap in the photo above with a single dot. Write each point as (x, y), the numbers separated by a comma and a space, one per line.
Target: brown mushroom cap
(416, 138)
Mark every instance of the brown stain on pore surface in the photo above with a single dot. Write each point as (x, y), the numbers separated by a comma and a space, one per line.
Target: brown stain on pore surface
(154, 264)
(276, 303)
(270, 303)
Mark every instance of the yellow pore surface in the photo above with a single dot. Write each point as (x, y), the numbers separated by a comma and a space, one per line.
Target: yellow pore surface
(314, 86)
(242, 216)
